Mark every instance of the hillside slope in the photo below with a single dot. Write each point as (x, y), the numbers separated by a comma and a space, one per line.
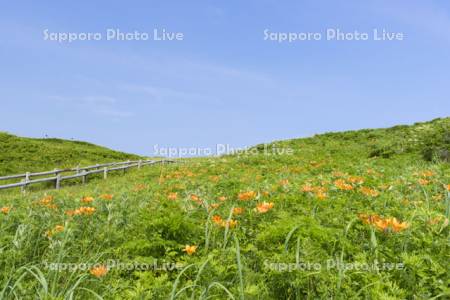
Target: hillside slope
(349, 215)
(428, 141)
(20, 154)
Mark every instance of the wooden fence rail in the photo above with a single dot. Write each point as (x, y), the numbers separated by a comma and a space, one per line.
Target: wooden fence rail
(79, 173)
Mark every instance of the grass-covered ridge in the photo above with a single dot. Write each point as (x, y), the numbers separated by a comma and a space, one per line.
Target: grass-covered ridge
(20, 154)
(429, 141)
(250, 226)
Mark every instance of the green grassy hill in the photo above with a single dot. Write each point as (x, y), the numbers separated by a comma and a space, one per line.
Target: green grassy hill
(19, 154)
(428, 141)
(348, 215)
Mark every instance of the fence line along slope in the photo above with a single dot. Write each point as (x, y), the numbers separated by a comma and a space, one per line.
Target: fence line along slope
(77, 172)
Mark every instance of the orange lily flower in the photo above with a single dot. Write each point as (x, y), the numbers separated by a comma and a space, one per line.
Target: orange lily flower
(172, 196)
(5, 210)
(384, 224)
(57, 229)
(87, 199)
(190, 249)
(238, 210)
(84, 210)
(369, 192)
(107, 196)
(307, 188)
(247, 195)
(356, 179)
(342, 185)
(47, 201)
(369, 219)
(99, 271)
(217, 219)
(222, 198)
(284, 182)
(321, 195)
(398, 226)
(428, 173)
(139, 187)
(381, 224)
(423, 181)
(196, 199)
(264, 207)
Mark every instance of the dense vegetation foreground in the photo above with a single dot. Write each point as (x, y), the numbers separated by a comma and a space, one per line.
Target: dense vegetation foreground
(352, 215)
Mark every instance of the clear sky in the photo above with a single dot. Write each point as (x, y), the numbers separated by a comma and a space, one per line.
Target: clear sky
(223, 83)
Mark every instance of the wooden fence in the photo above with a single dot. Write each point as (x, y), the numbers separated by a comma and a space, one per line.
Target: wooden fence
(78, 173)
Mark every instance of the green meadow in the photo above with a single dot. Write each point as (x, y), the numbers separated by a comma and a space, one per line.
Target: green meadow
(347, 215)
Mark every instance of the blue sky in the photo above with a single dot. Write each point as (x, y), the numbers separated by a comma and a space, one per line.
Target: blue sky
(223, 83)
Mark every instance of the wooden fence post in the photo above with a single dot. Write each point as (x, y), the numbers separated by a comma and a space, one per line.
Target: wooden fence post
(22, 188)
(140, 164)
(58, 182)
(78, 169)
(25, 181)
(126, 166)
(105, 172)
(84, 177)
